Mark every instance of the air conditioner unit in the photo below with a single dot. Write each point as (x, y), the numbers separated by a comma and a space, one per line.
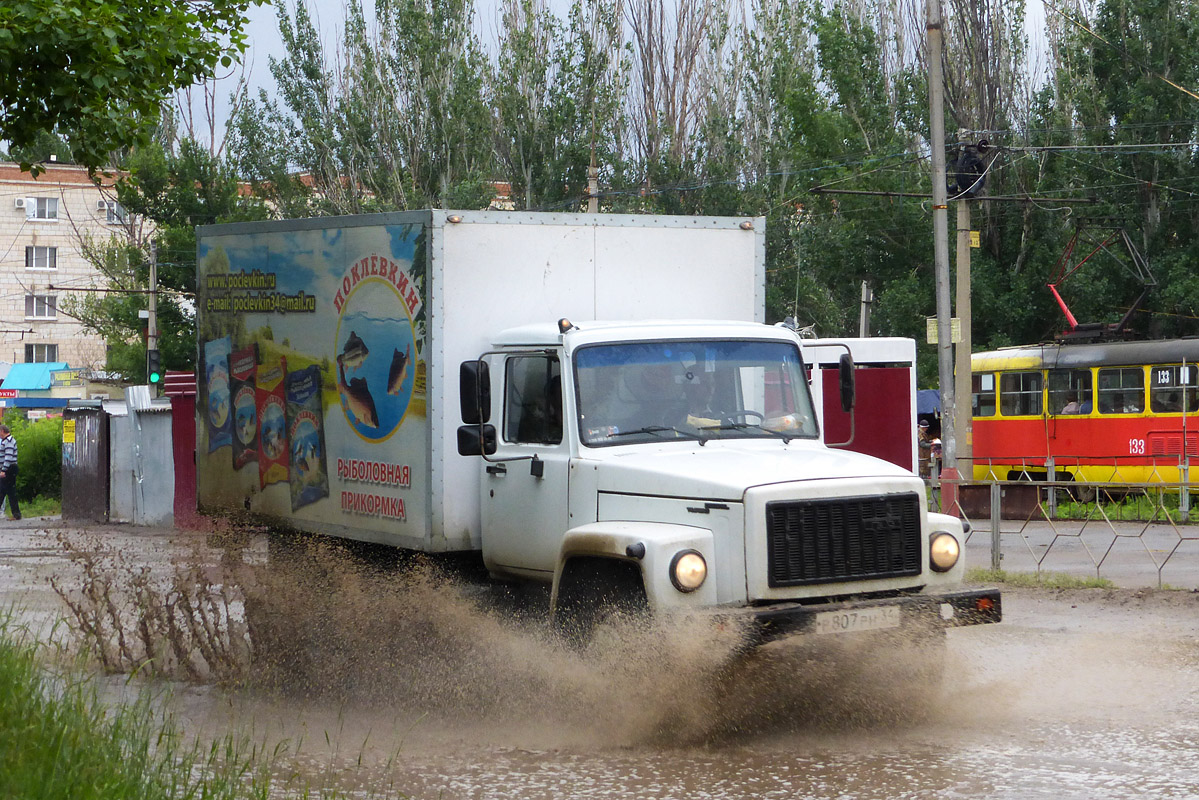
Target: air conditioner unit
(20, 202)
(101, 205)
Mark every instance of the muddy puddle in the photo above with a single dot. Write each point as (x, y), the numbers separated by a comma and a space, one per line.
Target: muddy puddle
(404, 682)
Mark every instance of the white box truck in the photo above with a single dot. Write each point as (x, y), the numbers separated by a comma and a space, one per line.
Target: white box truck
(590, 402)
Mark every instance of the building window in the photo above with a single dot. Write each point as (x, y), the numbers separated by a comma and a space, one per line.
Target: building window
(40, 353)
(38, 257)
(114, 212)
(41, 208)
(41, 306)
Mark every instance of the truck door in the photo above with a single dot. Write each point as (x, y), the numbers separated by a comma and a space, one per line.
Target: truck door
(524, 501)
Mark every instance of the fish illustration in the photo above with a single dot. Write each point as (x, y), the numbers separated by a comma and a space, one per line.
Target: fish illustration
(311, 463)
(357, 397)
(272, 445)
(354, 353)
(399, 368)
(297, 457)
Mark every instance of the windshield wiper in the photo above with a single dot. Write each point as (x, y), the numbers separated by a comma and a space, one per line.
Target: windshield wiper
(660, 429)
(743, 426)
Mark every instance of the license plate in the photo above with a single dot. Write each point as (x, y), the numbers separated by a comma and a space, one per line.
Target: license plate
(861, 619)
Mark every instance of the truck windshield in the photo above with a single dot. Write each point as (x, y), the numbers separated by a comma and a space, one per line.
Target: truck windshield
(691, 389)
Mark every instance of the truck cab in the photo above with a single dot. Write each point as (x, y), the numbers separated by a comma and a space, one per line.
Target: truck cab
(679, 465)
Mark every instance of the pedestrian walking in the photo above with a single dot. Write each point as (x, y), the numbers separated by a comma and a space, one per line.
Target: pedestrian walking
(8, 470)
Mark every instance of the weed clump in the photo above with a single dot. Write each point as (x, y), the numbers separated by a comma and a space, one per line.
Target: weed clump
(58, 739)
(318, 622)
(182, 622)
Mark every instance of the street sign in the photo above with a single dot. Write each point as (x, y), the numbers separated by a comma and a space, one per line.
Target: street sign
(955, 330)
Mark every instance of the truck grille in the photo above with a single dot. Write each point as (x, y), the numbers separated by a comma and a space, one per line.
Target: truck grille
(854, 538)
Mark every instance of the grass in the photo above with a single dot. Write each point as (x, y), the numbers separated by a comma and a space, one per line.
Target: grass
(1135, 508)
(59, 739)
(40, 506)
(1032, 580)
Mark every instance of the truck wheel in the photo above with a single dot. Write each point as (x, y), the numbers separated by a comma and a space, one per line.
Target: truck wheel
(594, 590)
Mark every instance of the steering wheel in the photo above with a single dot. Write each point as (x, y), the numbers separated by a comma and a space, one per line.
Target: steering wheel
(743, 413)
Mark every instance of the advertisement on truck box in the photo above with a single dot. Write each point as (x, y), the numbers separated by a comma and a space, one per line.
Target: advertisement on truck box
(312, 390)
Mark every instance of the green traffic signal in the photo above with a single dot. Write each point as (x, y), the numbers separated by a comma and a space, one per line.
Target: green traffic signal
(154, 366)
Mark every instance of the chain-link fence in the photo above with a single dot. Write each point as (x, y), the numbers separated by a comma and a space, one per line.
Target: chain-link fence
(1134, 534)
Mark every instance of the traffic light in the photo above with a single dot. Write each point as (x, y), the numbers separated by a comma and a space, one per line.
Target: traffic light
(154, 366)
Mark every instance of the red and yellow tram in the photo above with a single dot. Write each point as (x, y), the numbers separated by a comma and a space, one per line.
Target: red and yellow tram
(1118, 412)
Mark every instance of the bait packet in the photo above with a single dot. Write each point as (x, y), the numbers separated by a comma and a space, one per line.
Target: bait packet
(308, 472)
(243, 369)
(217, 399)
(272, 423)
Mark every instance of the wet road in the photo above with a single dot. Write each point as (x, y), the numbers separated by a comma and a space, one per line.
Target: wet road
(1085, 694)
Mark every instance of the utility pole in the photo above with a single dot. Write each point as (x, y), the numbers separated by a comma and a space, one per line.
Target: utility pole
(593, 173)
(152, 320)
(936, 90)
(864, 313)
(963, 430)
(593, 187)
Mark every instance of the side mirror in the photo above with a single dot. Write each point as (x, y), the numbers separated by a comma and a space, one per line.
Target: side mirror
(845, 372)
(474, 393)
(476, 440)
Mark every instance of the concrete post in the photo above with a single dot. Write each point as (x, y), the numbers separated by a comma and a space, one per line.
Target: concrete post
(936, 91)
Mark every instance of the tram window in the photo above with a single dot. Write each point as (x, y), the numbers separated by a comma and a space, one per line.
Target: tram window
(1122, 390)
(1069, 391)
(1169, 386)
(1020, 393)
(982, 394)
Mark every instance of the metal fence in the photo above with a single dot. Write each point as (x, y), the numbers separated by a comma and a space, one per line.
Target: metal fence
(1134, 534)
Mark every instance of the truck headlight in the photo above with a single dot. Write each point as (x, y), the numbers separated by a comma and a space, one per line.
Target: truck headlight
(943, 552)
(688, 570)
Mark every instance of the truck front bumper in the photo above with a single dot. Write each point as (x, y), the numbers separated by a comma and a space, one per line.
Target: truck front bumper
(924, 611)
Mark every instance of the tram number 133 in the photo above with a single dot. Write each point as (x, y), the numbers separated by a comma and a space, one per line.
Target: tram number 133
(1136, 447)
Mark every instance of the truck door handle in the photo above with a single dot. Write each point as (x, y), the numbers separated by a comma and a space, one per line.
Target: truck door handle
(497, 469)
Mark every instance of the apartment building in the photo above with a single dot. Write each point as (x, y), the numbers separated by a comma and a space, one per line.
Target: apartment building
(43, 224)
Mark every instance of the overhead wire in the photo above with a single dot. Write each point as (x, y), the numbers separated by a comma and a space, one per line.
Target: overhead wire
(1081, 147)
(1138, 181)
(1116, 126)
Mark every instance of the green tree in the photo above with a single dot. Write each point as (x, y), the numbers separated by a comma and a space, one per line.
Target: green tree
(40, 446)
(97, 71)
(1123, 95)
(436, 69)
(396, 119)
(557, 88)
(171, 191)
(45, 146)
